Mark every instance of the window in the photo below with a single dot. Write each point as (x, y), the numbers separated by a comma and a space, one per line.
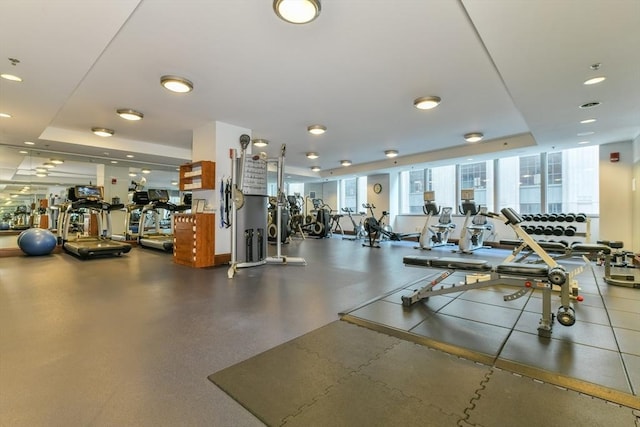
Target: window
(554, 182)
(530, 190)
(479, 177)
(414, 183)
(353, 193)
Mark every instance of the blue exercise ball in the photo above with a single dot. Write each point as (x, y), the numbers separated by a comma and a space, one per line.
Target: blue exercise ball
(4, 226)
(37, 241)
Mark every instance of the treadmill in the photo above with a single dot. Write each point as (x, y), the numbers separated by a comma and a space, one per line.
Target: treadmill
(88, 199)
(158, 203)
(133, 213)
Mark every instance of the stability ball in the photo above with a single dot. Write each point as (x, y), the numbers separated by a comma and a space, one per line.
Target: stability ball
(37, 241)
(4, 226)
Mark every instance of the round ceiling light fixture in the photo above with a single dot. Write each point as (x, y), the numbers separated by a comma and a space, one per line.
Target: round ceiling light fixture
(176, 84)
(260, 142)
(132, 174)
(312, 156)
(427, 102)
(146, 171)
(48, 165)
(103, 132)
(595, 80)
(129, 114)
(5, 115)
(345, 162)
(473, 137)
(297, 11)
(317, 129)
(41, 170)
(585, 121)
(315, 168)
(41, 174)
(391, 153)
(56, 161)
(11, 77)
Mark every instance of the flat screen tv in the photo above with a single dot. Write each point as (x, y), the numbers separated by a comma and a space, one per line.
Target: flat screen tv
(92, 192)
(156, 195)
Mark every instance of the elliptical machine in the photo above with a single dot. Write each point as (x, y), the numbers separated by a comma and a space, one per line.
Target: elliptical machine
(316, 225)
(438, 234)
(285, 223)
(474, 229)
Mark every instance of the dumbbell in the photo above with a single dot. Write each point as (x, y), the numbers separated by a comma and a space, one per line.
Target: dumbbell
(581, 217)
(548, 230)
(564, 242)
(569, 217)
(539, 230)
(526, 217)
(570, 231)
(552, 217)
(536, 217)
(558, 230)
(544, 217)
(560, 217)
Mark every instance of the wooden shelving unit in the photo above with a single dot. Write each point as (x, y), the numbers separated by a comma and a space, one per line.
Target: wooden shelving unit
(194, 239)
(198, 176)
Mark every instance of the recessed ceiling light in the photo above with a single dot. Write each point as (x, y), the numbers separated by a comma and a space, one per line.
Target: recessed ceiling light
(583, 142)
(11, 77)
(391, 153)
(590, 104)
(23, 152)
(130, 156)
(5, 115)
(57, 161)
(474, 137)
(41, 169)
(48, 165)
(260, 142)
(114, 161)
(345, 162)
(315, 168)
(176, 84)
(129, 114)
(174, 182)
(427, 102)
(317, 129)
(41, 174)
(146, 171)
(585, 121)
(312, 155)
(103, 132)
(584, 133)
(297, 11)
(595, 80)
(132, 174)
(29, 143)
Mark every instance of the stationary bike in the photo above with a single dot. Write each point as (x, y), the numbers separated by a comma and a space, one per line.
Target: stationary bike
(474, 229)
(438, 234)
(358, 229)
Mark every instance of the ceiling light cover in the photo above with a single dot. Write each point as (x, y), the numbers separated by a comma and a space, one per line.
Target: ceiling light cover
(315, 168)
(146, 171)
(595, 80)
(176, 84)
(129, 114)
(48, 165)
(57, 161)
(312, 155)
(41, 170)
(391, 153)
(260, 142)
(103, 132)
(29, 143)
(317, 129)
(427, 102)
(473, 137)
(5, 115)
(345, 162)
(297, 11)
(11, 77)
(585, 121)
(41, 174)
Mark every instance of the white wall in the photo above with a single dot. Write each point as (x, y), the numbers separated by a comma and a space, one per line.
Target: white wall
(635, 209)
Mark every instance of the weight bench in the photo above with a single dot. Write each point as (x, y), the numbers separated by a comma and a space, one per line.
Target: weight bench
(560, 250)
(527, 277)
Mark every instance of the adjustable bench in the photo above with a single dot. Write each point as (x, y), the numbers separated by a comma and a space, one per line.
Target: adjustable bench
(527, 277)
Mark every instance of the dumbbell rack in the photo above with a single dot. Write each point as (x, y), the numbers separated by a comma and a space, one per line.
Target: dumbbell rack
(555, 227)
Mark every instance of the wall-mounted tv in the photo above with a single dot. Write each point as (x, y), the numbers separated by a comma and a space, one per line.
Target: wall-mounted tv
(92, 192)
(156, 195)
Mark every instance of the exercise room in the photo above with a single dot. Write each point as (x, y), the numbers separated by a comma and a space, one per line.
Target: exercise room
(320, 213)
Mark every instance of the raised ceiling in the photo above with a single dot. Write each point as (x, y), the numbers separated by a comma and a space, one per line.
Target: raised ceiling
(513, 70)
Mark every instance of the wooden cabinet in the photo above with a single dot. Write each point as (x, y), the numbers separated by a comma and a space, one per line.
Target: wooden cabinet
(194, 239)
(198, 176)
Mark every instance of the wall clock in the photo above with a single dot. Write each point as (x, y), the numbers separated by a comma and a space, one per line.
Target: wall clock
(377, 188)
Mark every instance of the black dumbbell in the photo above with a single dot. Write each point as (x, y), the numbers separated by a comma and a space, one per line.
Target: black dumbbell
(544, 217)
(570, 231)
(526, 217)
(570, 217)
(560, 217)
(581, 217)
(552, 217)
(558, 230)
(548, 230)
(536, 217)
(539, 230)
(564, 242)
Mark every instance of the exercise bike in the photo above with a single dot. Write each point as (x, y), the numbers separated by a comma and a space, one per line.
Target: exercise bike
(358, 229)
(438, 234)
(315, 225)
(474, 229)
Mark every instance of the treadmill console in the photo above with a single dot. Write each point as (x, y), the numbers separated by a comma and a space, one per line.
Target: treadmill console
(141, 198)
(156, 195)
(86, 192)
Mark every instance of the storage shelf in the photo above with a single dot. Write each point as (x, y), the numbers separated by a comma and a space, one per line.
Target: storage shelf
(198, 176)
